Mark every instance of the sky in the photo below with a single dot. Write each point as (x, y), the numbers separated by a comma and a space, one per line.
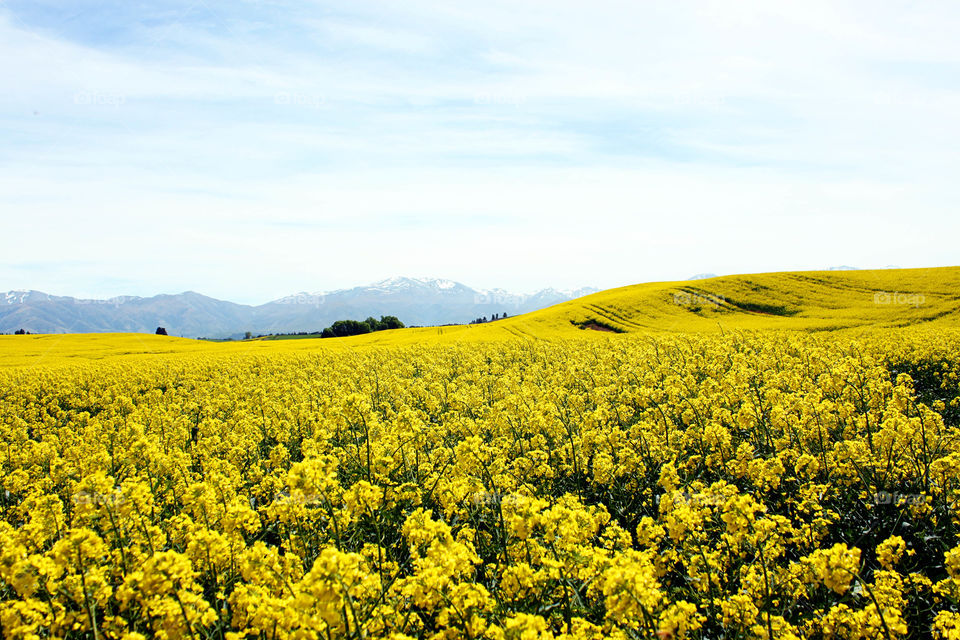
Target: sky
(249, 149)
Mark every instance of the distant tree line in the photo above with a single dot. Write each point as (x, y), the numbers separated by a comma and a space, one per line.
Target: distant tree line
(496, 316)
(343, 328)
(248, 335)
(338, 329)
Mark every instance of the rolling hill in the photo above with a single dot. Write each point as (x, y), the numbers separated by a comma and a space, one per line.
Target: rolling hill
(807, 301)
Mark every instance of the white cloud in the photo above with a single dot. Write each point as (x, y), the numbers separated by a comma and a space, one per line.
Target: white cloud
(498, 144)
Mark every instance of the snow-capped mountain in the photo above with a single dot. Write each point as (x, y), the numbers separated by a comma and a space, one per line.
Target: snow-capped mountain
(393, 286)
(21, 296)
(408, 284)
(416, 301)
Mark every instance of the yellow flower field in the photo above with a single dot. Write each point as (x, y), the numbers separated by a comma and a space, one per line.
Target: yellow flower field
(736, 485)
(798, 301)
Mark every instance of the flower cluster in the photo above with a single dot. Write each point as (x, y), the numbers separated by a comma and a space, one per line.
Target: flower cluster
(753, 486)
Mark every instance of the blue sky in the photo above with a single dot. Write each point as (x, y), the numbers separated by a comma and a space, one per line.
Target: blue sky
(251, 149)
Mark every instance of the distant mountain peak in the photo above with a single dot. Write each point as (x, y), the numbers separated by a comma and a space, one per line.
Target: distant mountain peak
(395, 281)
(21, 296)
(416, 301)
(402, 282)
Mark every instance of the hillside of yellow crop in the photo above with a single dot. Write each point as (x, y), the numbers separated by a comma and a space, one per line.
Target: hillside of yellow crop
(808, 301)
(812, 300)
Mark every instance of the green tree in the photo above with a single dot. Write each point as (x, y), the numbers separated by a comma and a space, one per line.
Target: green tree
(390, 322)
(343, 328)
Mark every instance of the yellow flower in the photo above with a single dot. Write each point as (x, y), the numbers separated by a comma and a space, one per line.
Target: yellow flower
(525, 626)
(835, 567)
(890, 551)
(946, 626)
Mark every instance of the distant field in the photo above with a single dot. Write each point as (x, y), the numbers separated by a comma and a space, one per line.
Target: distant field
(808, 301)
(813, 300)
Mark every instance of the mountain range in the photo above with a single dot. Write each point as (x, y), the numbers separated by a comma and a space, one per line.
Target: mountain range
(416, 301)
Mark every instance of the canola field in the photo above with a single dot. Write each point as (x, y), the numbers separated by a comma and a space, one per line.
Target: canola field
(730, 485)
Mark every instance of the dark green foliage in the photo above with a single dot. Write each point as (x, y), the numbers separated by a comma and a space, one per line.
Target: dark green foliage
(931, 382)
(596, 325)
(769, 309)
(343, 328)
(390, 322)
